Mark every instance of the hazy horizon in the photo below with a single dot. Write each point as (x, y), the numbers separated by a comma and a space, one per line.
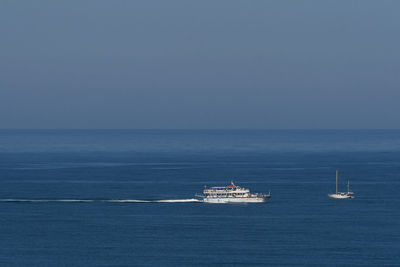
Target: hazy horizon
(195, 129)
(199, 65)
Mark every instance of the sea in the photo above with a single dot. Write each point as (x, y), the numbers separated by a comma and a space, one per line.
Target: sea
(127, 198)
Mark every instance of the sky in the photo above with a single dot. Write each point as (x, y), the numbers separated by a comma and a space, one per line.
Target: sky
(157, 64)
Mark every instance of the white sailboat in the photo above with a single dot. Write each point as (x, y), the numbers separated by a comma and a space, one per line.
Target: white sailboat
(342, 195)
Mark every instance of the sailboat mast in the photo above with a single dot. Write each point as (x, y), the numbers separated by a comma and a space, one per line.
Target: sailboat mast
(348, 186)
(336, 180)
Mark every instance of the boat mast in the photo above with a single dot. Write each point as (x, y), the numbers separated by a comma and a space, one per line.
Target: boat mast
(336, 180)
(348, 186)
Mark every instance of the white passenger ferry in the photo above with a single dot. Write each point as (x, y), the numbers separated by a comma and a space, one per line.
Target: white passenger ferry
(232, 194)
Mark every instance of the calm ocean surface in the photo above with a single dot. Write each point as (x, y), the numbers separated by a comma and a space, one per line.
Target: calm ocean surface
(71, 198)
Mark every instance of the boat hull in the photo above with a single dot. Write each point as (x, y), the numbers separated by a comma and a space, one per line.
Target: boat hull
(339, 196)
(221, 200)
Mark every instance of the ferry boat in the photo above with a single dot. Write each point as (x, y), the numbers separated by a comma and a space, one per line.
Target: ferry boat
(232, 194)
(342, 195)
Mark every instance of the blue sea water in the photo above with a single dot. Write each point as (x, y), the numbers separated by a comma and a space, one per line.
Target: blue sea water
(73, 198)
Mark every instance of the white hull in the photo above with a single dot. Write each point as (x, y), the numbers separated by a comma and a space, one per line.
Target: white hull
(340, 196)
(235, 199)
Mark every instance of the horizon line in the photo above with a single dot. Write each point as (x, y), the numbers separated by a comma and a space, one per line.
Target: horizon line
(196, 129)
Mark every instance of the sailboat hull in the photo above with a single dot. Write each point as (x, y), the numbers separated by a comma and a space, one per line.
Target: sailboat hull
(340, 196)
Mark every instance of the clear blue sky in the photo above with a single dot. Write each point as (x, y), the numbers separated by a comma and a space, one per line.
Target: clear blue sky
(199, 64)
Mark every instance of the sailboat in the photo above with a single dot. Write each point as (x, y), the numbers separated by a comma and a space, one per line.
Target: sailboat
(341, 195)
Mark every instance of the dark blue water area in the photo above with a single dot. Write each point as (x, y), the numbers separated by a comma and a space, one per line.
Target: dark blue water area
(72, 198)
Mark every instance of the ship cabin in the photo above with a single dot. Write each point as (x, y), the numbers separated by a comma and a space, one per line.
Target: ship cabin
(231, 190)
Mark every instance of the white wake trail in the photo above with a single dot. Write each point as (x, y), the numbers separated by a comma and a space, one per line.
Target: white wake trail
(178, 200)
(127, 201)
(104, 200)
(45, 200)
